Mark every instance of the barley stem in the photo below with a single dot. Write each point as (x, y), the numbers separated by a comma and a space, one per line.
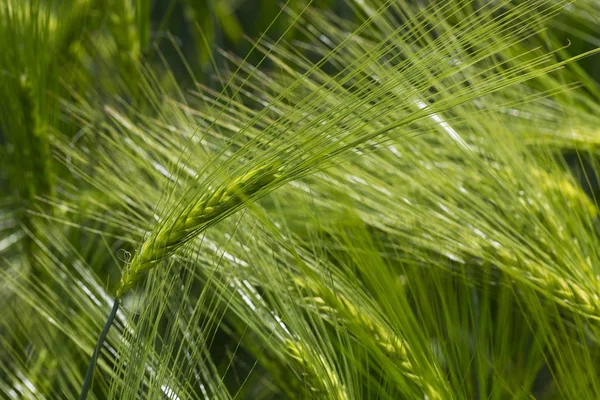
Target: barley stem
(87, 382)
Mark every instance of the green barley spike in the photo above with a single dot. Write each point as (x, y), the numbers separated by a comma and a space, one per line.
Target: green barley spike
(203, 213)
(168, 237)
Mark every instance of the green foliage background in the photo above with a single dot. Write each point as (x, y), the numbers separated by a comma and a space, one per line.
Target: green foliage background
(432, 231)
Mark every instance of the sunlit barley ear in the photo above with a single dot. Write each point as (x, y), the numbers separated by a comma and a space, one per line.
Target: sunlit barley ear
(209, 209)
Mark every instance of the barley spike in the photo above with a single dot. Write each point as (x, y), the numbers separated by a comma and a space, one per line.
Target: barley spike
(211, 208)
(389, 341)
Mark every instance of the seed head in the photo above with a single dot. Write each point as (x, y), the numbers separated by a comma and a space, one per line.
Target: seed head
(209, 209)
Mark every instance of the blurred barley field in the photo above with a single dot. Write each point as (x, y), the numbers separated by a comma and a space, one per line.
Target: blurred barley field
(362, 199)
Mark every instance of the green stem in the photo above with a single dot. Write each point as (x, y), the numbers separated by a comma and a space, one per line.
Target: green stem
(90, 371)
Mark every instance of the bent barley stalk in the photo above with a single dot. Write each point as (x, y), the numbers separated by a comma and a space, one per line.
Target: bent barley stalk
(210, 209)
(168, 237)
